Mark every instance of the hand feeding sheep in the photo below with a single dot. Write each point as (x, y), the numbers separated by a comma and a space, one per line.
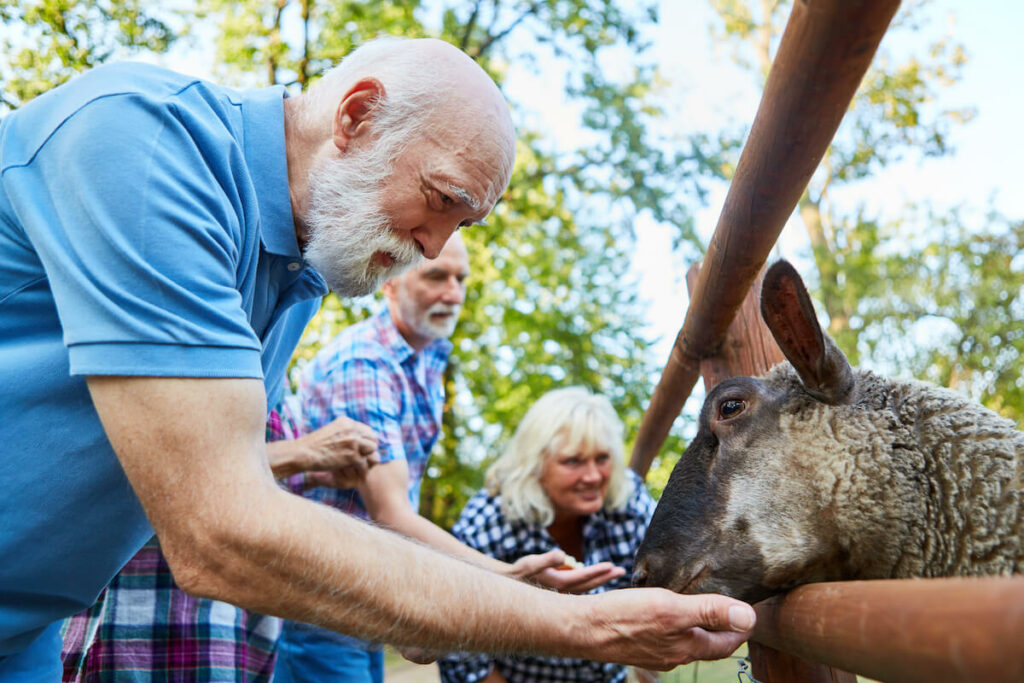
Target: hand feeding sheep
(823, 472)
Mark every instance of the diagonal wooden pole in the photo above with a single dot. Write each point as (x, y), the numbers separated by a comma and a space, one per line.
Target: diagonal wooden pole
(824, 52)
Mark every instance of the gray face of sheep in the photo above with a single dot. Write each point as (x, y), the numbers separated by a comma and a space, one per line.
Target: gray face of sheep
(721, 525)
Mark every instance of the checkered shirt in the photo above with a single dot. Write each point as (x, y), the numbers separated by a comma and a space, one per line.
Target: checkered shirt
(369, 373)
(608, 536)
(145, 629)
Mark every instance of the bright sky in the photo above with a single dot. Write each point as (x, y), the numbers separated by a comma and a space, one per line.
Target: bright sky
(706, 91)
(987, 164)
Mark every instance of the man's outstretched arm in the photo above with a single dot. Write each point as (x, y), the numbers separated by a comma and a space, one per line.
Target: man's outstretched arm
(193, 450)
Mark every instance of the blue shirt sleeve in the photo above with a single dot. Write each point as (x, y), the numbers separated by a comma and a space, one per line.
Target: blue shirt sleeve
(139, 235)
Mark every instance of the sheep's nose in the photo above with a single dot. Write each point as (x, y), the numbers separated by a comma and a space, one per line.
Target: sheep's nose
(640, 574)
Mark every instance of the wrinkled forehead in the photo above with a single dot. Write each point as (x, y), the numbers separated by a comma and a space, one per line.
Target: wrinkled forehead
(474, 147)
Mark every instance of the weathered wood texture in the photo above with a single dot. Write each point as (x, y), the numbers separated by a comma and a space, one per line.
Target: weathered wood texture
(769, 665)
(748, 349)
(822, 57)
(904, 630)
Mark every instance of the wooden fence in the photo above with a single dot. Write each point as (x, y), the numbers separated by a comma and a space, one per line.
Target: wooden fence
(901, 630)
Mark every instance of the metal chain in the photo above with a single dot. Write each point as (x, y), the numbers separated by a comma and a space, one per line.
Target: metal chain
(743, 666)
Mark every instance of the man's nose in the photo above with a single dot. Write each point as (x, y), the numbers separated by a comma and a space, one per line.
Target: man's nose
(433, 235)
(454, 291)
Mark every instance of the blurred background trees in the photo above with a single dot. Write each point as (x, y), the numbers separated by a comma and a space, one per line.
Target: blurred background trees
(553, 295)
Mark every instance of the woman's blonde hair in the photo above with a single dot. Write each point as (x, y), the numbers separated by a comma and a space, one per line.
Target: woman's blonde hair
(563, 420)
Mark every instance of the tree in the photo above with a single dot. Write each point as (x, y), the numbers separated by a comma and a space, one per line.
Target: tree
(45, 42)
(879, 279)
(962, 285)
(551, 302)
(890, 117)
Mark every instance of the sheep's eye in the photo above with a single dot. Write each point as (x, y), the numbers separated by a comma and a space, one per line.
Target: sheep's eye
(731, 408)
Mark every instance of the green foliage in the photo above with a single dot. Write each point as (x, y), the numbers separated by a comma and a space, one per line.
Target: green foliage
(962, 299)
(43, 43)
(550, 302)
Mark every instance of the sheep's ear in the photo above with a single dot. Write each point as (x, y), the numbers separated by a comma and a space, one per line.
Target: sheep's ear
(787, 310)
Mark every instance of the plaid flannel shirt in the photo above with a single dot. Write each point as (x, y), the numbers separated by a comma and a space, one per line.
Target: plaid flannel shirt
(143, 628)
(608, 536)
(369, 373)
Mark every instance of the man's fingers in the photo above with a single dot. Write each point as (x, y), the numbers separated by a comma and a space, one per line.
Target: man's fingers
(714, 644)
(717, 613)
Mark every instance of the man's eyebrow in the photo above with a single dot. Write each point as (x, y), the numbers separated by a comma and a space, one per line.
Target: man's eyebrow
(465, 197)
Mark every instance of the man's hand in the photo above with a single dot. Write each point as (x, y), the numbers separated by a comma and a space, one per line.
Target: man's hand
(656, 629)
(542, 569)
(339, 454)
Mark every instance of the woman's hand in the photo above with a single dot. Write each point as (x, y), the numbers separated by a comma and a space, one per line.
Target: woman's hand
(543, 569)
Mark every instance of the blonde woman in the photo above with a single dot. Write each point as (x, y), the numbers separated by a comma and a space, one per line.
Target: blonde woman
(561, 483)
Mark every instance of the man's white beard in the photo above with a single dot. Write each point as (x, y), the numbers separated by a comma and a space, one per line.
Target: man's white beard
(420, 322)
(347, 226)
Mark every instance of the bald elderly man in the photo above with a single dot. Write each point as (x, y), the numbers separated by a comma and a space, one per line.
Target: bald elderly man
(163, 242)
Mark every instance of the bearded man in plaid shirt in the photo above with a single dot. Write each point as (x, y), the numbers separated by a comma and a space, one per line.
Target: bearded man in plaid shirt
(387, 372)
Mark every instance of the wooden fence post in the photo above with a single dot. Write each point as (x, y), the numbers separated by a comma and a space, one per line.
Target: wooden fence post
(749, 350)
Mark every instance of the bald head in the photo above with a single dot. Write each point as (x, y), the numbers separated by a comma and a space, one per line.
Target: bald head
(400, 145)
(425, 82)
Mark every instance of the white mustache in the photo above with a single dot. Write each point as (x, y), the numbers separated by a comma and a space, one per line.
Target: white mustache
(404, 251)
(444, 309)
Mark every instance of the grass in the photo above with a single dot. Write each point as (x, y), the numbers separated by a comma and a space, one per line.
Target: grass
(720, 671)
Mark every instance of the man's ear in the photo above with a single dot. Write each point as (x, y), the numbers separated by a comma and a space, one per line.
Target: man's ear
(355, 111)
(388, 290)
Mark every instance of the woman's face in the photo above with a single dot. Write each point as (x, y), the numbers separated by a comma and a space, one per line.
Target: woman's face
(576, 481)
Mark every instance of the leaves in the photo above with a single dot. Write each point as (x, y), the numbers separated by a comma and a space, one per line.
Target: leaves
(937, 297)
(43, 43)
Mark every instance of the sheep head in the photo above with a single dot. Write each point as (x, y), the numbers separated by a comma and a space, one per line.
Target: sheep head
(819, 471)
(721, 525)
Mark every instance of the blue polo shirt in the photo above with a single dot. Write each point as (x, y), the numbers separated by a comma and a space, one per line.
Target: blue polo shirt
(145, 229)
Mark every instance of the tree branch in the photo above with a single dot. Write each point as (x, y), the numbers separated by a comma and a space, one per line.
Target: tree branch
(493, 38)
(464, 43)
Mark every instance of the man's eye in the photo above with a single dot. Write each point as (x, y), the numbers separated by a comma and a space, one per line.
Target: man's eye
(445, 199)
(731, 408)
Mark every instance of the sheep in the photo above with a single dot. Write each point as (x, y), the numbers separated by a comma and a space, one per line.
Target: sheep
(822, 472)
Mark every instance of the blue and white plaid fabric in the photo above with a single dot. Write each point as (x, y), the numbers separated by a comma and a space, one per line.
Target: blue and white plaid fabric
(369, 373)
(608, 536)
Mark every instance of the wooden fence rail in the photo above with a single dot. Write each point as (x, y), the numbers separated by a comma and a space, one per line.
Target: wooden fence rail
(968, 630)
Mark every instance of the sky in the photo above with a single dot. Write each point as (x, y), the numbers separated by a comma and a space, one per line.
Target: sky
(987, 163)
(706, 90)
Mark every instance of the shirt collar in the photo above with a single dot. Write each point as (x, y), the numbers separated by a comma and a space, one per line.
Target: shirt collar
(263, 117)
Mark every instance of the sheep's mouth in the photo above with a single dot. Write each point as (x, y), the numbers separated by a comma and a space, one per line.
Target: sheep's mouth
(696, 579)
